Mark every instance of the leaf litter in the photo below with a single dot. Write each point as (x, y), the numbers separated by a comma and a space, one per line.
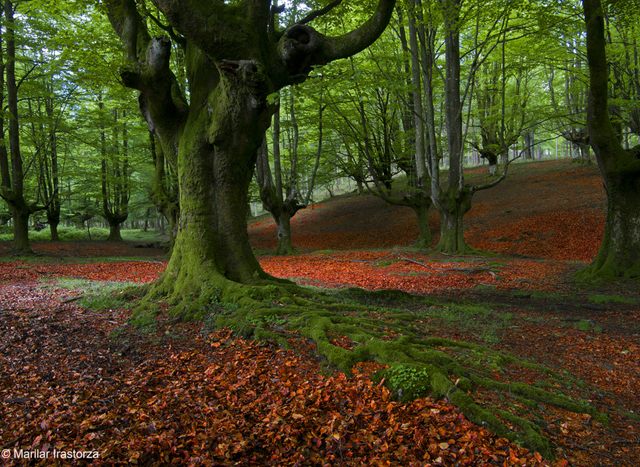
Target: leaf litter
(73, 378)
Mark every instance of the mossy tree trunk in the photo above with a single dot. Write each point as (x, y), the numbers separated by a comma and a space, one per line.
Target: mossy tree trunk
(20, 216)
(11, 164)
(164, 191)
(420, 203)
(619, 254)
(452, 206)
(235, 57)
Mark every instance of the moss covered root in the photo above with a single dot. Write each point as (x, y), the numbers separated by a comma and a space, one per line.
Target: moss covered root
(346, 332)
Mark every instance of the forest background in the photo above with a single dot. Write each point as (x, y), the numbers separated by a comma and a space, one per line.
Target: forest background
(84, 155)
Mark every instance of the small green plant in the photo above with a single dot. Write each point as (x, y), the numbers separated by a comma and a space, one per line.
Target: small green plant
(407, 382)
(587, 325)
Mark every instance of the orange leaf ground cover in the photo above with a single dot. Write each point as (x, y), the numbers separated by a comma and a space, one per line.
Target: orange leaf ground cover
(185, 397)
(413, 273)
(552, 210)
(179, 395)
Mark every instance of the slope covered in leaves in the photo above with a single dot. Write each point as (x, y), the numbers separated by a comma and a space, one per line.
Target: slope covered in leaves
(552, 210)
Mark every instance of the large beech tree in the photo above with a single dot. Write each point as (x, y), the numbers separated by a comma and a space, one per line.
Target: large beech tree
(619, 254)
(234, 59)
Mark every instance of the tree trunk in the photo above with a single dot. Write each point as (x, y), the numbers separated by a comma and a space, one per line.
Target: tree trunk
(453, 205)
(529, 147)
(12, 189)
(53, 220)
(163, 191)
(421, 205)
(20, 230)
(235, 58)
(212, 243)
(455, 202)
(282, 210)
(283, 223)
(619, 253)
(114, 231)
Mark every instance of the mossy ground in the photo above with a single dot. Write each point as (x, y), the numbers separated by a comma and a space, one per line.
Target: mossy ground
(400, 331)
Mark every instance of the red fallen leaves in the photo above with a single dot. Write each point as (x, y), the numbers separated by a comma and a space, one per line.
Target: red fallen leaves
(553, 210)
(567, 236)
(359, 269)
(121, 271)
(237, 403)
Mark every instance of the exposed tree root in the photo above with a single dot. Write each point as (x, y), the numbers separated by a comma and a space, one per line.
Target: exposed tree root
(347, 332)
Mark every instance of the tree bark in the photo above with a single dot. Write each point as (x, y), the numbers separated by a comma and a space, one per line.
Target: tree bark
(12, 188)
(619, 253)
(53, 219)
(282, 210)
(454, 202)
(235, 57)
(164, 192)
(420, 203)
(285, 245)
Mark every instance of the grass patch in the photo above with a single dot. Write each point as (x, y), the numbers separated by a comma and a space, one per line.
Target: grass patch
(71, 234)
(547, 295)
(484, 323)
(602, 299)
(97, 296)
(588, 326)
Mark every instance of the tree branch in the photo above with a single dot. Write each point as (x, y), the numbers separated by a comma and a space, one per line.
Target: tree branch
(350, 44)
(168, 29)
(315, 14)
(160, 100)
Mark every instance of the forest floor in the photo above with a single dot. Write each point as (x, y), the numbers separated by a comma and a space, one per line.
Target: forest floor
(75, 377)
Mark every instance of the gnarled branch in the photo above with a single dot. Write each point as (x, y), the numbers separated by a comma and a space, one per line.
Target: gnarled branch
(350, 44)
(316, 14)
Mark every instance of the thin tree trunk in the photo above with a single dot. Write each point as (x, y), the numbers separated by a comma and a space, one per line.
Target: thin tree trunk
(14, 188)
(455, 202)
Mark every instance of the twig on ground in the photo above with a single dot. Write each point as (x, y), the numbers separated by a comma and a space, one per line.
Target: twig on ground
(72, 299)
(593, 452)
